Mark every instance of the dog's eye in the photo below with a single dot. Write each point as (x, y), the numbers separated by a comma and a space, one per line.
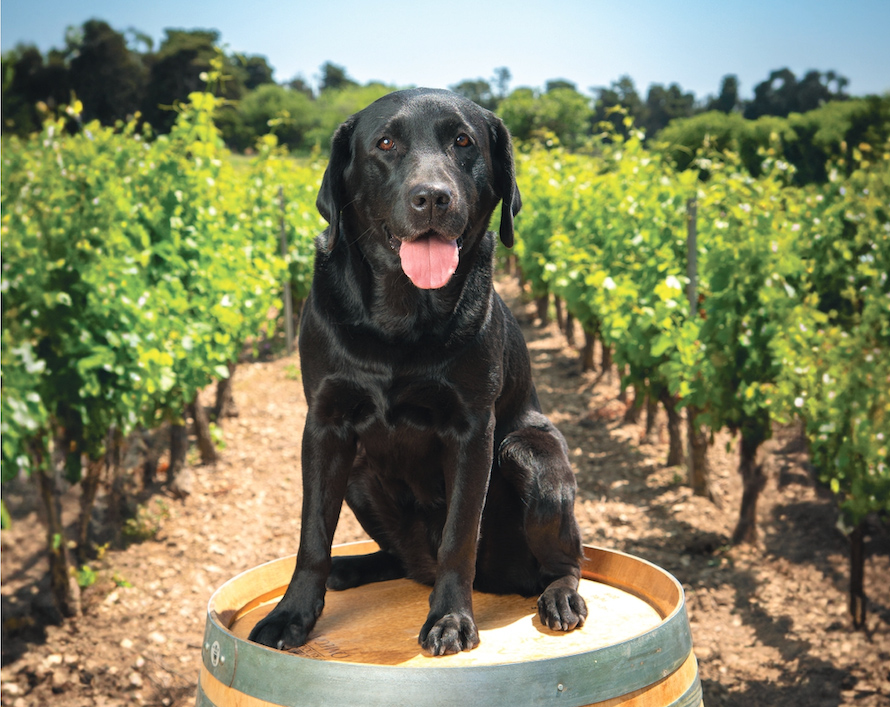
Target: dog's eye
(386, 144)
(463, 140)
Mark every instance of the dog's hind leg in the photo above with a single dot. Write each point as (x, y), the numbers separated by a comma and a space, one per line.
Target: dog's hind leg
(370, 505)
(350, 571)
(534, 459)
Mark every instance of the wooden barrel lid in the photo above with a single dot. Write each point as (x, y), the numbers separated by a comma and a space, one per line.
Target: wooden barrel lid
(636, 634)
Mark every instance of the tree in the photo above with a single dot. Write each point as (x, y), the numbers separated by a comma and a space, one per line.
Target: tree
(478, 90)
(566, 113)
(334, 77)
(775, 96)
(270, 108)
(840, 82)
(139, 42)
(298, 83)
(562, 112)
(664, 105)
(29, 80)
(686, 138)
(782, 94)
(621, 94)
(501, 80)
(108, 78)
(255, 70)
(812, 92)
(728, 100)
(176, 72)
(518, 111)
(557, 84)
(333, 106)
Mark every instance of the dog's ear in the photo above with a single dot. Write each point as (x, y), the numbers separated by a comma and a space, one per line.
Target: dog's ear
(504, 177)
(332, 194)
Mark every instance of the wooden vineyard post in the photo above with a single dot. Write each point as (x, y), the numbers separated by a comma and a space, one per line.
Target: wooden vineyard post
(179, 477)
(697, 440)
(288, 296)
(202, 431)
(857, 576)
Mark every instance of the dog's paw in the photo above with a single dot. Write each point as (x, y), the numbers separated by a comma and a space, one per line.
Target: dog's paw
(562, 608)
(452, 633)
(282, 630)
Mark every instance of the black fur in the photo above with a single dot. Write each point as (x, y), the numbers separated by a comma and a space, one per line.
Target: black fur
(422, 412)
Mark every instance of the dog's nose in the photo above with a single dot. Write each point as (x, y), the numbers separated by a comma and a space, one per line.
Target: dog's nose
(430, 197)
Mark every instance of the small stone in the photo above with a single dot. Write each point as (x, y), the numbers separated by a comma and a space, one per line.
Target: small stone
(60, 678)
(126, 644)
(135, 680)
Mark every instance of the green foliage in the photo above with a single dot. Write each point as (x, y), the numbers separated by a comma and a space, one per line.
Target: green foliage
(177, 70)
(782, 93)
(134, 272)
(746, 263)
(335, 105)
(22, 414)
(566, 113)
(274, 176)
(270, 108)
(121, 581)
(793, 312)
(614, 103)
(809, 140)
(664, 105)
(146, 523)
(836, 337)
(300, 122)
(119, 75)
(684, 138)
(107, 76)
(608, 238)
(65, 241)
(85, 576)
(562, 113)
(478, 90)
(217, 436)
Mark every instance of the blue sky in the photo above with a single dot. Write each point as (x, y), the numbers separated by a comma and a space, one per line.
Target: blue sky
(592, 43)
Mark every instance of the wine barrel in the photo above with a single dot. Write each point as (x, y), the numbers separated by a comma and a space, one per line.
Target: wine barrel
(634, 650)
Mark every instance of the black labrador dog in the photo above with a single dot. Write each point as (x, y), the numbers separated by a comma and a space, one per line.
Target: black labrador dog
(422, 412)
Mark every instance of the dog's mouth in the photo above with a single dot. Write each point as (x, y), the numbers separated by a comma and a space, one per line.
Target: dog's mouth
(429, 260)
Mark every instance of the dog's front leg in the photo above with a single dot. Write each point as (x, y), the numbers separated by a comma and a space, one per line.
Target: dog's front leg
(450, 626)
(328, 455)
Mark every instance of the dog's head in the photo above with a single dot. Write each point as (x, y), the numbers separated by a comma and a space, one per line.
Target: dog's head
(419, 173)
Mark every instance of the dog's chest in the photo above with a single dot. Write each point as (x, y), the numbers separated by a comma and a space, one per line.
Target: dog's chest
(380, 408)
(405, 427)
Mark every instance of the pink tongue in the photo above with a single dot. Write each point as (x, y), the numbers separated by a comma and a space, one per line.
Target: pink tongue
(429, 262)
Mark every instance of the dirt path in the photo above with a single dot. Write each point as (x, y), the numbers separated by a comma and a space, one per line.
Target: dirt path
(770, 624)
